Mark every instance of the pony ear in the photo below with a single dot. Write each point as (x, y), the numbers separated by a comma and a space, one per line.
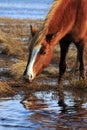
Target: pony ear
(33, 30)
(49, 37)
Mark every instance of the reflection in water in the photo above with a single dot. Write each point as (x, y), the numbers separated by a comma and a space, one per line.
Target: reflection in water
(61, 109)
(53, 110)
(33, 103)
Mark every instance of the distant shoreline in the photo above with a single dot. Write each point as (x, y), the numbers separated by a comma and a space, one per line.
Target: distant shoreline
(20, 19)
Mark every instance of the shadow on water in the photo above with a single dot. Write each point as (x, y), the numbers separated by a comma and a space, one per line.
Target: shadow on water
(43, 110)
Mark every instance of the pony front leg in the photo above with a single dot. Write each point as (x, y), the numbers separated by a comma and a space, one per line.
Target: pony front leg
(62, 69)
(80, 48)
(64, 45)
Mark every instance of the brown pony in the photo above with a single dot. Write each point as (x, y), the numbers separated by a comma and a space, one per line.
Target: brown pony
(66, 22)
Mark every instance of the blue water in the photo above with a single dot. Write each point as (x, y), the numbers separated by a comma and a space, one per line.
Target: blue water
(41, 111)
(33, 9)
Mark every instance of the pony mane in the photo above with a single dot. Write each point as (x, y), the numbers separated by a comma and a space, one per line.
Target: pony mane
(44, 29)
(55, 16)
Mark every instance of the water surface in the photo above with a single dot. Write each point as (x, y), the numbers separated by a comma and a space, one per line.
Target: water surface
(32, 9)
(41, 111)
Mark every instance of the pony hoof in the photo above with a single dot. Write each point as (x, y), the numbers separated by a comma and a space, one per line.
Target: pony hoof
(60, 81)
(61, 103)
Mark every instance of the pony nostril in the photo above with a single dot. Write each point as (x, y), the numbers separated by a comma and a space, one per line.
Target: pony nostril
(30, 77)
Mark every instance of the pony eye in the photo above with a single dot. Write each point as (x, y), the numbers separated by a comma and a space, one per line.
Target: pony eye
(42, 50)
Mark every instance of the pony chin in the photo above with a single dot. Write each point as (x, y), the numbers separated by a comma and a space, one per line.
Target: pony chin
(30, 79)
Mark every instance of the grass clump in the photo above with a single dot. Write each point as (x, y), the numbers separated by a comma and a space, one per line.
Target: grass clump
(2, 37)
(18, 68)
(81, 84)
(12, 46)
(5, 89)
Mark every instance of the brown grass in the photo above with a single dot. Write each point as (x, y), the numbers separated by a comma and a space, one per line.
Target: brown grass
(81, 84)
(12, 46)
(18, 27)
(18, 68)
(5, 89)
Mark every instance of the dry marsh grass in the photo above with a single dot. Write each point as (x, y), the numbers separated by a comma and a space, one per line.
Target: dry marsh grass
(5, 89)
(79, 85)
(18, 27)
(12, 46)
(18, 68)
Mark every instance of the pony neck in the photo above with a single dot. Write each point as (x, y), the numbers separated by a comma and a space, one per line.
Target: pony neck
(60, 19)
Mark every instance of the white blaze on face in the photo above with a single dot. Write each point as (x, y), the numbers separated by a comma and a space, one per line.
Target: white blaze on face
(34, 53)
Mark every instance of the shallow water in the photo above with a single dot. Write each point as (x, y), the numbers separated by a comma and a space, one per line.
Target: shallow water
(41, 111)
(24, 8)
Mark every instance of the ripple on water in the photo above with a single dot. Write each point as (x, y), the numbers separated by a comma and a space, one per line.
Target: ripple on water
(40, 110)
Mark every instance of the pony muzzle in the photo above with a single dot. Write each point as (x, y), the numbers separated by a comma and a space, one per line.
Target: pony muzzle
(29, 77)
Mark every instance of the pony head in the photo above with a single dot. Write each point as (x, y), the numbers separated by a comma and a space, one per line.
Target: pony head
(40, 53)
